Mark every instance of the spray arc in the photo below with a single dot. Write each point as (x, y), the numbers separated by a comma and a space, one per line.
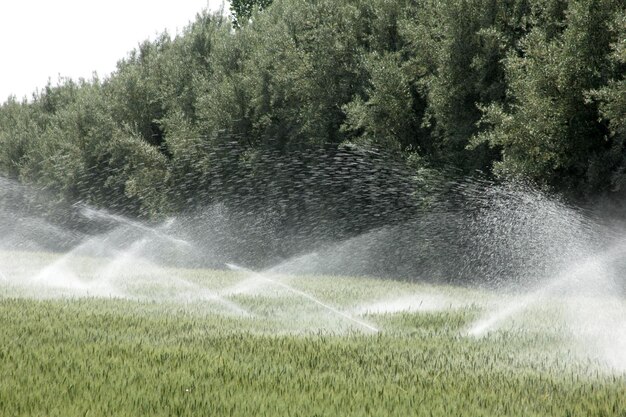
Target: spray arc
(305, 295)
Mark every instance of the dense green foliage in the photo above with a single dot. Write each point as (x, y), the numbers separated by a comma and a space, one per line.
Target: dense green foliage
(103, 357)
(522, 88)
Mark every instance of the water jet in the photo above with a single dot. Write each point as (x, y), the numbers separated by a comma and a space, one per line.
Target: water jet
(303, 294)
(93, 213)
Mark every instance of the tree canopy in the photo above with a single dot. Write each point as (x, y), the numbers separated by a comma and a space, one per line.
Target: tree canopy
(531, 89)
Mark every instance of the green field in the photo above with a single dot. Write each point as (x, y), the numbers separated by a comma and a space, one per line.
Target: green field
(213, 343)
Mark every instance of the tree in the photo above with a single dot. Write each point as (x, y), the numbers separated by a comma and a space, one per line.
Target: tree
(612, 106)
(19, 130)
(242, 9)
(391, 115)
(135, 93)
(550, 132)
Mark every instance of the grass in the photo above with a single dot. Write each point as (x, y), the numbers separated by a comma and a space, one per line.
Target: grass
(86, 356)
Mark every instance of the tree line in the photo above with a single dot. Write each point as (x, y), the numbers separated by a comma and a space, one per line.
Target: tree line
(240, 108)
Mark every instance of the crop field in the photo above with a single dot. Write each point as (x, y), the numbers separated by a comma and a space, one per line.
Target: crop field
(146, 340)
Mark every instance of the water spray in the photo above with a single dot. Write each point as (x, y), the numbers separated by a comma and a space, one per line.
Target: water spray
(304, 295)
(591, 265)
(92, 213)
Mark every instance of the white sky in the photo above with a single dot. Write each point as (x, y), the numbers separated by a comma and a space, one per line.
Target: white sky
(42, 39)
